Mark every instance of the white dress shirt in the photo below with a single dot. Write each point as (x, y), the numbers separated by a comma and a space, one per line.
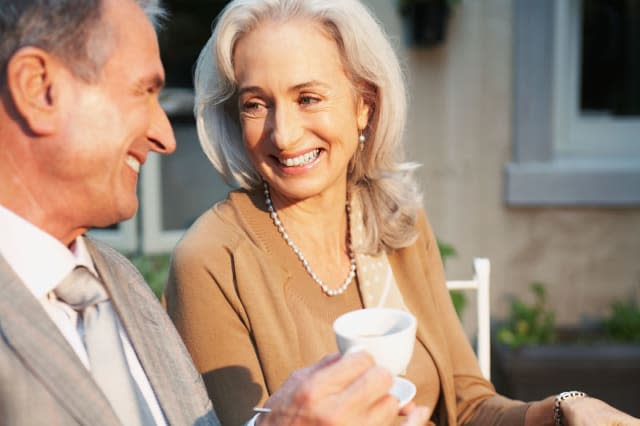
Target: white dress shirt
(41, 262)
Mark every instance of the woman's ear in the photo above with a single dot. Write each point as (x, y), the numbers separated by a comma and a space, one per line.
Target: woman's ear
(31, 74)
(363, 113)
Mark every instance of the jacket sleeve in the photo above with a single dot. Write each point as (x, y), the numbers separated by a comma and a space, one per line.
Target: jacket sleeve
(476, 400)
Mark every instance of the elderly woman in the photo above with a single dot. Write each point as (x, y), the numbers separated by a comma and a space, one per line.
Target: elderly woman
(301, 104)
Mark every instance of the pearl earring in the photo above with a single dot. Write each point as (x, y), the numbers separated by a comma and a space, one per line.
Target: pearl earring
(361, 139)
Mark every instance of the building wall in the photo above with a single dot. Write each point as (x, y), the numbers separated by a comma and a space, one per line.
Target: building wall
(460, 129)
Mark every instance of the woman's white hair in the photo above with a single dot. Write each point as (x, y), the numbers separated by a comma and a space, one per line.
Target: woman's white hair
(390, 199)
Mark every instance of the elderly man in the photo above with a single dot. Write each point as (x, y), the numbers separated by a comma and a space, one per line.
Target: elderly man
(82, 339)
(78, 117)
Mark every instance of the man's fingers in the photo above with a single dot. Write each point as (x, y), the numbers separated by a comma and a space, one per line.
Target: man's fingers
(406, 409)
(368, 388)
(418, 416)
(324, 362)
(337, 376)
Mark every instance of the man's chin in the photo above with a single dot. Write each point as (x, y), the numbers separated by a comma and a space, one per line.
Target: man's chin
(122, 214)
(127, 212)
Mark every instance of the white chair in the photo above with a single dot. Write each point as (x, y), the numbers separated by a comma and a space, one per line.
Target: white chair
(480, 283)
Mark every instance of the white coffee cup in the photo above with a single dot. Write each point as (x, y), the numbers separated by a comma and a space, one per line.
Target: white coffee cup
(387, 334)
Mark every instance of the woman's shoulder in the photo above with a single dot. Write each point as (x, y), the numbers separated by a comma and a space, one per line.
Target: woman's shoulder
(424, 237)
(221, 226)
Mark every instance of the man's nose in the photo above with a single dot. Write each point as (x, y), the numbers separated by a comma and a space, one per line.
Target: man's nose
(160, 132)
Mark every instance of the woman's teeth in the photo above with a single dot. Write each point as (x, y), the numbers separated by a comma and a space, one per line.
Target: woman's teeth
(301, 160)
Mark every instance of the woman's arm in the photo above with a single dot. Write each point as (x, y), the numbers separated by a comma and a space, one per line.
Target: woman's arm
(476, 402)
(582, 411)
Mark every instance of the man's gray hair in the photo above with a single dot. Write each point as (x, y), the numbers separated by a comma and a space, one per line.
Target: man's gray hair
(69, 29)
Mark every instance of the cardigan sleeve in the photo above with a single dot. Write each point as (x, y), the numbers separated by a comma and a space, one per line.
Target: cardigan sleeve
(476, 400)
(205, 308)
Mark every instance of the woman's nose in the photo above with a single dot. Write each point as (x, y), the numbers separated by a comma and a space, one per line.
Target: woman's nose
(286, 127)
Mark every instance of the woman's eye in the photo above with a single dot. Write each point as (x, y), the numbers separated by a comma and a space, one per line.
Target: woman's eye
(308, 100)
(252, 107)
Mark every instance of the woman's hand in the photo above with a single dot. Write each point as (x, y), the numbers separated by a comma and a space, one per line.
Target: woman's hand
(347, 390)
(591, 411)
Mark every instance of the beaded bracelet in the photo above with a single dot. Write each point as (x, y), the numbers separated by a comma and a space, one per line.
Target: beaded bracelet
(557, 411)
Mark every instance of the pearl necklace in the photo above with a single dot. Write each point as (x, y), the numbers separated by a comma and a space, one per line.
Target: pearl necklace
(328, 291)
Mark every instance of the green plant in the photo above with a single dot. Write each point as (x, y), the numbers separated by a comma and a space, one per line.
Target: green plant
(623, 324)
(529, 324)
(154, 269)
(458, 298)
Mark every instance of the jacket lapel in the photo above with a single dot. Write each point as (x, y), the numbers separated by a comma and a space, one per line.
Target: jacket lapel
(34, 337)
(148, 329)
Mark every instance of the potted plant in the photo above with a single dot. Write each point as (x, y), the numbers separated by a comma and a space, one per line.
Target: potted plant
(425, 21)
(532, 358)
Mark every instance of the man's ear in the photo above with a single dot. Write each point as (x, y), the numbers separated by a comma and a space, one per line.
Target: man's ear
(31, 74)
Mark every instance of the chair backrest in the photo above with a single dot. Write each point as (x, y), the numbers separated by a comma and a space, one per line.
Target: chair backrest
(480, 283)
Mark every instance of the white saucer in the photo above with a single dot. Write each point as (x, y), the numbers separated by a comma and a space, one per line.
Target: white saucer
(403, 390)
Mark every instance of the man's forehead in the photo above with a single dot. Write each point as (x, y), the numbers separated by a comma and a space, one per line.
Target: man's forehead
(135, 48)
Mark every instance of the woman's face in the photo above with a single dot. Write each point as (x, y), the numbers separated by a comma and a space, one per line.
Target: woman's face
(299, 112)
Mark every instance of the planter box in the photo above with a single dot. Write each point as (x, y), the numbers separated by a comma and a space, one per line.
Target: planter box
(607, 371)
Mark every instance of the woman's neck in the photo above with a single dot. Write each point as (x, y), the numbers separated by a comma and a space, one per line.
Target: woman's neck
(318, 226)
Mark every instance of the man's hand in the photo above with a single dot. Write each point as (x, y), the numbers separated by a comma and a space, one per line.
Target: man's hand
(336, 390)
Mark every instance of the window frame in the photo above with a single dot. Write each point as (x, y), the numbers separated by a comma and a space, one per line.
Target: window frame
(550, 167)
(124, 238)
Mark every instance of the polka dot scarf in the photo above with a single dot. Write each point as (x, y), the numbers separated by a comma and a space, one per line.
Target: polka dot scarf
(375, 277)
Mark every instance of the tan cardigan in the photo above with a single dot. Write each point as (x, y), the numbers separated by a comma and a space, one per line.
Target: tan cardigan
(228, 294)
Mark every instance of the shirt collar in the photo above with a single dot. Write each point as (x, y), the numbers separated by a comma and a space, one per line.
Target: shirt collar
(38, 259)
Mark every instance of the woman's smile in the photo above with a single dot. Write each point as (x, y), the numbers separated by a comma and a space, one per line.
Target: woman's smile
(300, 160)
(298, 164)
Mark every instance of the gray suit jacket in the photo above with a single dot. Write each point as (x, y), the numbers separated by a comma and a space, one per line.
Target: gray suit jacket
(42, 381)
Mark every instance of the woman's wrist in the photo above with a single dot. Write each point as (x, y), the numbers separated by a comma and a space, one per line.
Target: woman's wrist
(557, 405)
(540, 413)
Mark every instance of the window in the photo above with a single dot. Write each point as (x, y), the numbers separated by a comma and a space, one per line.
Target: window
(576, 103)
(176, 189)
(123, 236)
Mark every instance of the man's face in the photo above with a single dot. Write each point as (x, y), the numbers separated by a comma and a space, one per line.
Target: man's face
(111, 124)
